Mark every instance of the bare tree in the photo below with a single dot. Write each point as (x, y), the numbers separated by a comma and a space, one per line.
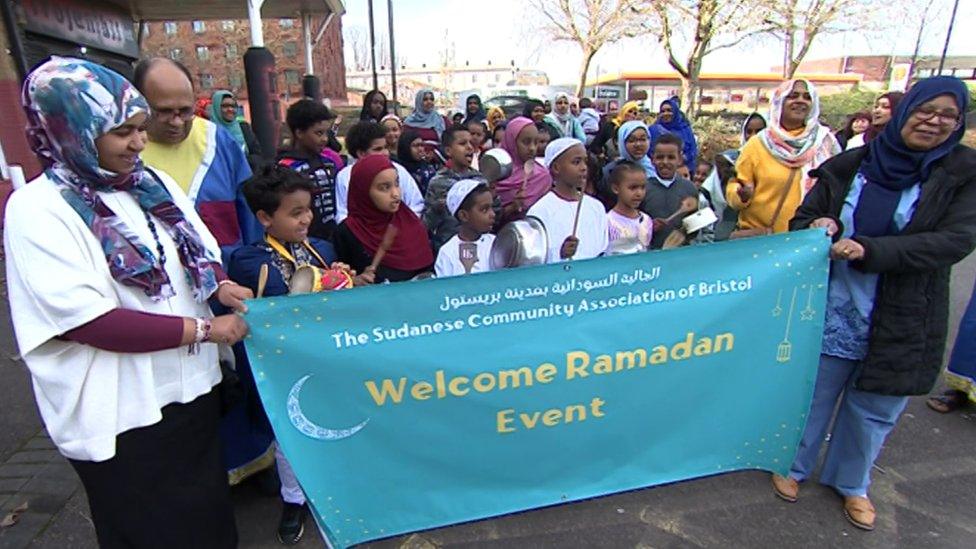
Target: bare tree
(591, 24)
(689, 30)
(799, 22)
(358, 42)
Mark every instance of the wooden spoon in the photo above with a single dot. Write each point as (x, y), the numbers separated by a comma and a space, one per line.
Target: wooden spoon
(688, 204)
(579, 208)
(388, 237)
(262, 279)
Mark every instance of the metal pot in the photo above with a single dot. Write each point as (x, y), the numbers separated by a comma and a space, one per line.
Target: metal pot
(495, 164)
(520, 243)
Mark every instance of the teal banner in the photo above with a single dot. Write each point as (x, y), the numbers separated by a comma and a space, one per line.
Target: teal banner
(409, 406)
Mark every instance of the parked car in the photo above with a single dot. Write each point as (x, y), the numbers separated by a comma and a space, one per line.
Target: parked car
(512, 105)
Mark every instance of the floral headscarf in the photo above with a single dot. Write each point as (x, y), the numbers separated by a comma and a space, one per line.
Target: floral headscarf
(71, 102)
(808, 149)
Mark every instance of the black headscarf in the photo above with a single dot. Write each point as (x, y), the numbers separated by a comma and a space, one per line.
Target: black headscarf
(477, 116)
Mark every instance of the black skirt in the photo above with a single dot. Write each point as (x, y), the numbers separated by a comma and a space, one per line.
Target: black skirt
(166, 485)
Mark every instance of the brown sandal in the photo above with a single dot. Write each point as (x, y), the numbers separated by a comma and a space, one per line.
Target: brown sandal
(947, 402)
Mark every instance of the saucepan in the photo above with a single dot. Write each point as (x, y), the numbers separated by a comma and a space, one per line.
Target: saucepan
(520, 243)
(495, 164)
(309, 279)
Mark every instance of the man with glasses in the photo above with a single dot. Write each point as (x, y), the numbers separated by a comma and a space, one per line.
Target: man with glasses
(202, 157)
(211, 168)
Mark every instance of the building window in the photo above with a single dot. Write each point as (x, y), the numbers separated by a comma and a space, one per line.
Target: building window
(231, 51)
(176, 54)
(430, 79)
(498, 77)
(286, 23)
(203, 53)
(236, 81)
(227, 25)
(169, 27)
(291, 77)
(474, 78)
(289, 49)
(206, 81)
(199, 27)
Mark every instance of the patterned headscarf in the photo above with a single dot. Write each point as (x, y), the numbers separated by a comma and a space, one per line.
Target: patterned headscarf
(70, 103)
(808, 149)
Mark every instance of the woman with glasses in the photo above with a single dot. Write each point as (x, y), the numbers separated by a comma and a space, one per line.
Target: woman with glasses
(772, 171)
(900, 211)
(223, 112)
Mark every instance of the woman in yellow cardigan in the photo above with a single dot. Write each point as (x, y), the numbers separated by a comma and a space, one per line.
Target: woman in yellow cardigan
(794, 141)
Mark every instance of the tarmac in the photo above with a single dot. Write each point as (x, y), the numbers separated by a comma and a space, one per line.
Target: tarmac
(923, 488)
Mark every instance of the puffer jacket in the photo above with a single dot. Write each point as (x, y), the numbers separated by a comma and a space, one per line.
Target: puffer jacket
(911, 308)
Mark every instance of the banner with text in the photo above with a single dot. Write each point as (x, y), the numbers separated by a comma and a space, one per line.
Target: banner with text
(410, 406)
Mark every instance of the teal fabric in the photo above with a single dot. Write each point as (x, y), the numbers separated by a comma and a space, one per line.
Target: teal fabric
(496, 411)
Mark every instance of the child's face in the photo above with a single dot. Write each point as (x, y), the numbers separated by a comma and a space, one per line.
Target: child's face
(631, 189)
(290, 222)
(477, 131)
(498, 136)
(701, 173)
(315, 138)
(376, 146)
(637, 143)
(385, 191)
(541, 142)
(538, 113)
(683, 172)
(392, 133)
(754, 126)
(569, 169)
(480, 216)
(460, 151)
(417, 150)
(666, 158)
(526, 143)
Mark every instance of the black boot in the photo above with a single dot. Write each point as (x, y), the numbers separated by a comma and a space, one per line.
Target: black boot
(292, 524)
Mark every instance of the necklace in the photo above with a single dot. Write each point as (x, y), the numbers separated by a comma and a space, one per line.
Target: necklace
(159, 245)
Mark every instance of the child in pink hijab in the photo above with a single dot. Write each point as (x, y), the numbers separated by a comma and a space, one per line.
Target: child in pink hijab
(530, 180)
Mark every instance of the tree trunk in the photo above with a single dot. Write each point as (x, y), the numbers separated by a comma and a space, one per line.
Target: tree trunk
(584, 68)
(690, 89)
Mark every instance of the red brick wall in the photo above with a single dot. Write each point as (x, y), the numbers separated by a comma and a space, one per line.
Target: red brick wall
(327, 57)
(874, 68)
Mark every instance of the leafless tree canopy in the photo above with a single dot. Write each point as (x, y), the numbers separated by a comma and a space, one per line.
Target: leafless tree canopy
(591, 24)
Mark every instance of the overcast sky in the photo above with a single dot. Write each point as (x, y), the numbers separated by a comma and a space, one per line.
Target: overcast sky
(506, 29)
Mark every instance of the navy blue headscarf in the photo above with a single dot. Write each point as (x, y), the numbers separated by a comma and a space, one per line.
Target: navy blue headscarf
(890, 166)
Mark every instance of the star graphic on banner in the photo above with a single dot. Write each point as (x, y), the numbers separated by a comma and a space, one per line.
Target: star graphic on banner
(807, 314)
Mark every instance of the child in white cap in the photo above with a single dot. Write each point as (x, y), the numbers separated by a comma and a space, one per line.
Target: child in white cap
(468, 251)
(570, 237)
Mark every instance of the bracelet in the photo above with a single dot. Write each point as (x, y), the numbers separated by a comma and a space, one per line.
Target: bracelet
(202, 333)
(225, 281)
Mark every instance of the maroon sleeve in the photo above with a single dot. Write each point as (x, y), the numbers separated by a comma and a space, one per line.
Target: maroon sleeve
(128, 331)
(219, 272)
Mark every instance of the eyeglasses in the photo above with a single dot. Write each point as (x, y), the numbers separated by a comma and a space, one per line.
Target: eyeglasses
(186, 114)
(945, 118)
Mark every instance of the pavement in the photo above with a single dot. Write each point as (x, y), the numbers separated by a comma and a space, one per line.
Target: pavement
(923, 488)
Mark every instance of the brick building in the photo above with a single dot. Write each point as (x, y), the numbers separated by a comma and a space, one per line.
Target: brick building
(877, 68)
(213, 51)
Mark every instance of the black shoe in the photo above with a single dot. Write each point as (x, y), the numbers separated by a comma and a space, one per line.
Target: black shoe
(292, 524)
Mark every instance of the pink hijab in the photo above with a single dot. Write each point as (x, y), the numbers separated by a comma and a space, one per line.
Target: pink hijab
(539, 181)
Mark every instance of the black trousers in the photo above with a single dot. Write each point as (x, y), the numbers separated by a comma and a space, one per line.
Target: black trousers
(166, 486)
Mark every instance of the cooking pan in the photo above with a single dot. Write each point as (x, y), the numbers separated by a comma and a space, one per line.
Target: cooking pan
(520, 243)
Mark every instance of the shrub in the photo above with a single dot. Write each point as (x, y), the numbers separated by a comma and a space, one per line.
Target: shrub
(835, 108)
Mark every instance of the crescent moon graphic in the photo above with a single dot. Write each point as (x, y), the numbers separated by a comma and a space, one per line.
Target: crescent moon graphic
(308, 428)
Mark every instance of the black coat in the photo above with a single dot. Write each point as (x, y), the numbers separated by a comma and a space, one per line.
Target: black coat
(911, 308)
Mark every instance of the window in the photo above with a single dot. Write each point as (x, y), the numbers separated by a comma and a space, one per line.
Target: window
(203, 53)
(291, 77)
(430, 79)
(236, 81)
(289, 49)
(227, 25)
(176, 54)
(474, 78)
(199, 27)
(286, 23)
(231, 51)
(206, 81)
(498, 77)
(169, 27)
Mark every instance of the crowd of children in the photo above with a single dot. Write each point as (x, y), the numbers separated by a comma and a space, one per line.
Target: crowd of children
(409, 202)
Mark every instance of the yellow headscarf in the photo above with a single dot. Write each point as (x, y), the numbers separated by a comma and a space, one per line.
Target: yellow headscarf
(490, 116)
(628, 106)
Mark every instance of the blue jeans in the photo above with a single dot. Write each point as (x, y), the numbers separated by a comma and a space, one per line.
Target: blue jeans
(863, 422)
